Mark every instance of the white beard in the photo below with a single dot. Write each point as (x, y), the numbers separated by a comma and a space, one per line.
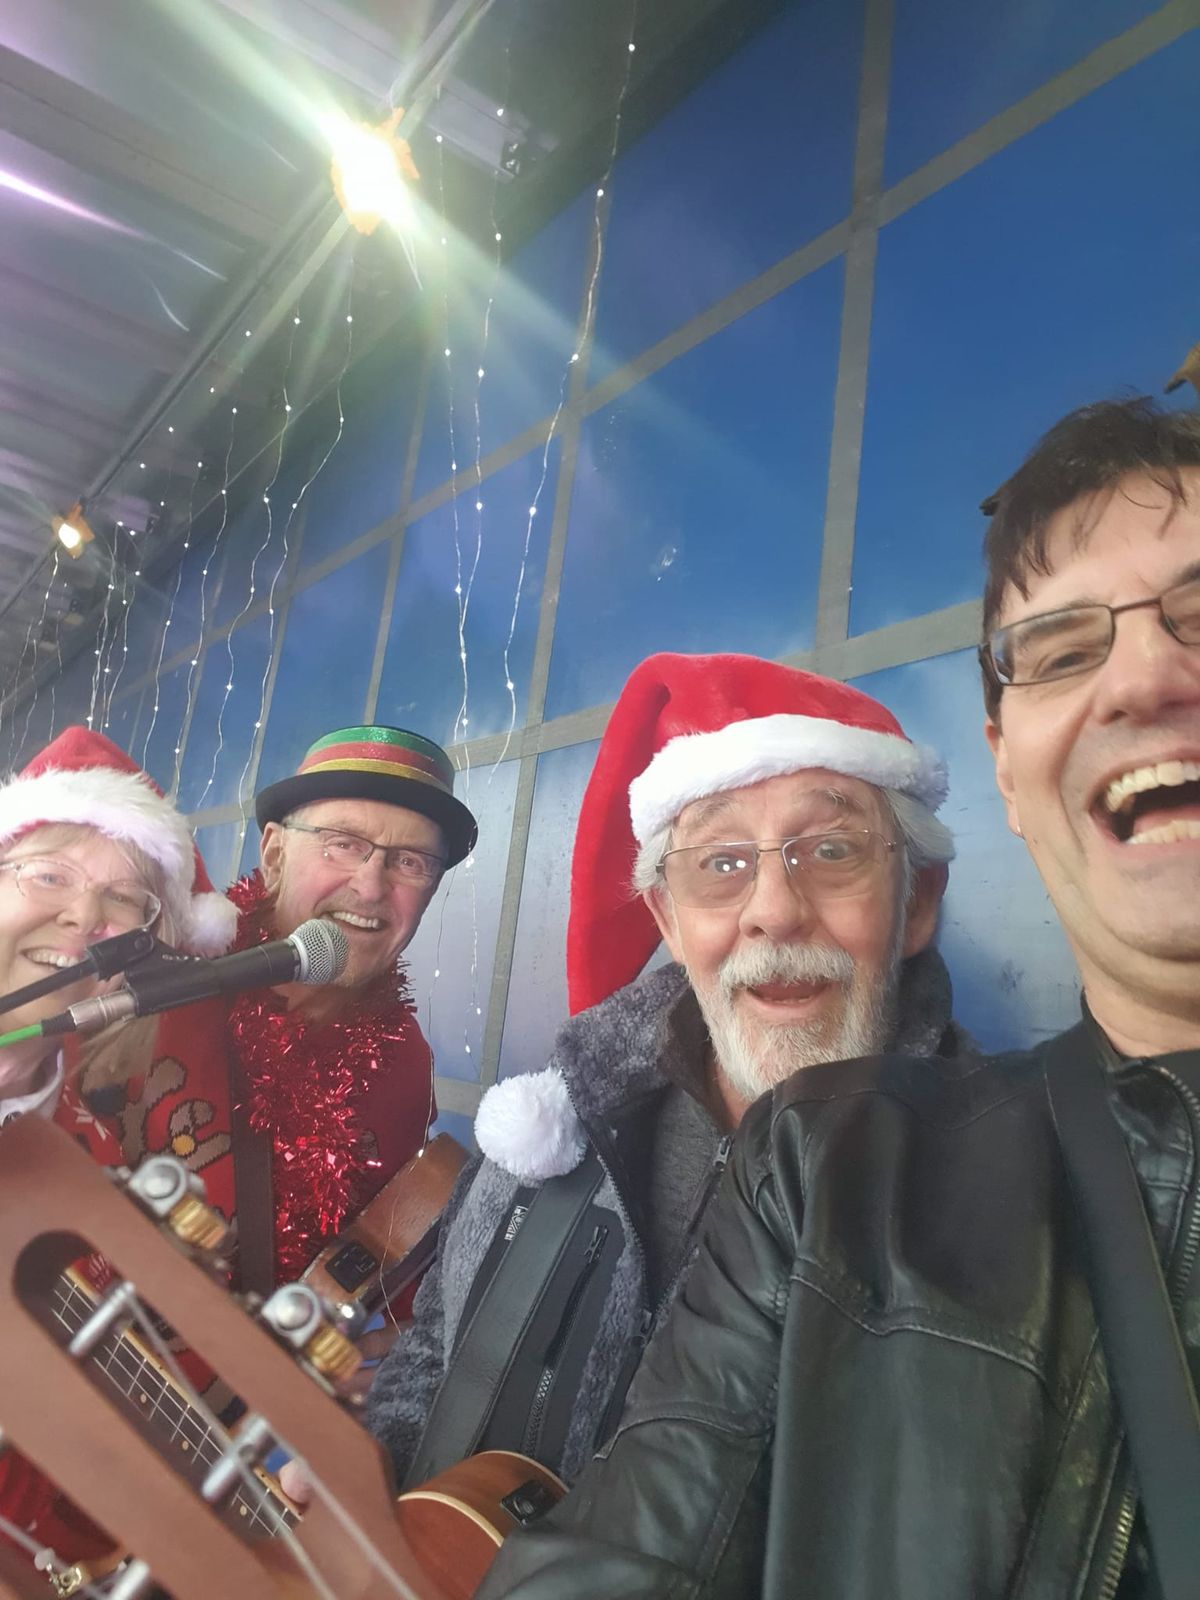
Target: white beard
(753, 1057)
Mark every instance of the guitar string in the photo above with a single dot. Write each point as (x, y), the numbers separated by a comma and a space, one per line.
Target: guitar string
(376, 1557)
(203, 1448)
(203, 1442)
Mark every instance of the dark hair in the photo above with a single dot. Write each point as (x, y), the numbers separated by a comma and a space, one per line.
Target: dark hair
(1088, 451)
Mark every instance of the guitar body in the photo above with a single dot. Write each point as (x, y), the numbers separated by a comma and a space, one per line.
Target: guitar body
(455, 1523)
(394, 1237)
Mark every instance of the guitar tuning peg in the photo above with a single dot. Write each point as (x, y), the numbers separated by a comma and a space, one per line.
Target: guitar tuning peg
(301, 1319)
(174, 1196)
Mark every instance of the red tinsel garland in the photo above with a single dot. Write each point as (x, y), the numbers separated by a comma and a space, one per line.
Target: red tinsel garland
(305, 1083)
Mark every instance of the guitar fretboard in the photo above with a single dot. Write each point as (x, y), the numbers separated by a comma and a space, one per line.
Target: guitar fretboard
(143, 1383)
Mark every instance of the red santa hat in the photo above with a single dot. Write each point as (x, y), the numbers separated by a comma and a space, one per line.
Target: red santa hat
(690, 726)
(82, 777)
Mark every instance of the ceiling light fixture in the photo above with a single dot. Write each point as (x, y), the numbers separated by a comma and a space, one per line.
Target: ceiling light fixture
(72, 531)
(371, 171)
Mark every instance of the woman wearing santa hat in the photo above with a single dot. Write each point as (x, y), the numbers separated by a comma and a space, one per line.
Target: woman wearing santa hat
(89, 848)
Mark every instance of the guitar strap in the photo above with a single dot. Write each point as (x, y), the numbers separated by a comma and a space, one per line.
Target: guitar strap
(253, 1194)
(1138, 1331)
(487, 1350)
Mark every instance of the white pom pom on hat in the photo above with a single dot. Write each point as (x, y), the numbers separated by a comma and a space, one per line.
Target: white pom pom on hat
(528, 1126)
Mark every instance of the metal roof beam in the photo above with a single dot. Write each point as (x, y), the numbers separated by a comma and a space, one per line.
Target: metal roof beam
(91, 134)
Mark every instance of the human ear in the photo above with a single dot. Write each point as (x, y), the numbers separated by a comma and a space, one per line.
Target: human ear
(1004, 779)
(270, 855)
(924, 903)
(662, 909)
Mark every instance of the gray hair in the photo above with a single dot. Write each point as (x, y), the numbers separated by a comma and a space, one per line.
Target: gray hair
(928, 842)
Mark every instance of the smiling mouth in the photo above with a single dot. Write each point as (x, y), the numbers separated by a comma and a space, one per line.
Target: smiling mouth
(50, 958)
(352, 919)
(785, 994)
(1156, 804)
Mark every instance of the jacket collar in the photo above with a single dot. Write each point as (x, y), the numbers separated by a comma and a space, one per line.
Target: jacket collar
(639, 1040)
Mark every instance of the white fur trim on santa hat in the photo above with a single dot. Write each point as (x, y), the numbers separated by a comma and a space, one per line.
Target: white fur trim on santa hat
(528, 1126)
(695, 765)
(211, 924)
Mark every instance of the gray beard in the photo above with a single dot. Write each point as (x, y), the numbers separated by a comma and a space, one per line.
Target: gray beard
(754, 1057)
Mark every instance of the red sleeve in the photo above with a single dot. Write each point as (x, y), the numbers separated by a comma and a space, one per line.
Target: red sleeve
(30, 1500)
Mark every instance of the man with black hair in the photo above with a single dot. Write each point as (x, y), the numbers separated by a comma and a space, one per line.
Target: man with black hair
(942, 1336)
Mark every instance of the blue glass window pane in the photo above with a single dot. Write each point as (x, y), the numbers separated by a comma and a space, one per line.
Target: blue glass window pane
(699, 501)
(324, 662)
(757, 161)
(1014, 977)
(525, 354)
(1003, 301)
(222, 727)
(537, 990)
(451, 958)
(359, 486)
(483, 553)
(160, 730)
(983, 56)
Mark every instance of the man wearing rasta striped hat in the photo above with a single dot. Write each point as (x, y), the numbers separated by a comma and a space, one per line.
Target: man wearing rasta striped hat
(336, 1082)
(341, 1078)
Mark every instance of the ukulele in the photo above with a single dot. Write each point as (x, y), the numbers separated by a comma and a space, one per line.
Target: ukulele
(61, 1411)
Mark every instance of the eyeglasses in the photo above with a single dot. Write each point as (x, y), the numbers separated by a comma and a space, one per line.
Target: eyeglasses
(55, 884)
(400, 861)
(1061, 644)
(832, 864)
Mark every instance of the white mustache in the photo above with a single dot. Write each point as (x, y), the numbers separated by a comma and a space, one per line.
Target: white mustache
(783, 963)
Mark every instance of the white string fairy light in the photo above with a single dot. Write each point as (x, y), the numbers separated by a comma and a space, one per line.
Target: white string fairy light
(585, 336)
(347, 356)
(98, 670)
(18, 748)
(213, 555)
(251, 587)
(128, 594)
(170, 613)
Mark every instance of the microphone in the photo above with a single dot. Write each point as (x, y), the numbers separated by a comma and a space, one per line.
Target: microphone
(101, 960)
(315, 953)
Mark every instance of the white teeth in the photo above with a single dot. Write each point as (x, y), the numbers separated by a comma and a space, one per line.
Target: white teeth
(355, 921)
(1169, 833)
(1164, 775)
(50, 958)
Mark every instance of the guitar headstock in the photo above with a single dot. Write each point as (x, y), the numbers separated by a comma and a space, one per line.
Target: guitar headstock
(57, 1205)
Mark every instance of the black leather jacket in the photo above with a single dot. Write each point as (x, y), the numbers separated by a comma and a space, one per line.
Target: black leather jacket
(882, 1378)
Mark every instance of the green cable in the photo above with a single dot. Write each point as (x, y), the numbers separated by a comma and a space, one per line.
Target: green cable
(34, 1031)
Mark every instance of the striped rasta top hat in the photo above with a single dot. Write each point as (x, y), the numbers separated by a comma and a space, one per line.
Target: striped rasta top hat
(394, 765)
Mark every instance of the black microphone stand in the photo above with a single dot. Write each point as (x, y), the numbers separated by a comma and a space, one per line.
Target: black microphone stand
(102, 960)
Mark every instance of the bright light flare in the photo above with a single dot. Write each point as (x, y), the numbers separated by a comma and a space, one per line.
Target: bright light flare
(73, 532)
(371, 171)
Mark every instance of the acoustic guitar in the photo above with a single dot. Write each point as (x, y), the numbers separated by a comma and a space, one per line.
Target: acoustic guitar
(104, 1445)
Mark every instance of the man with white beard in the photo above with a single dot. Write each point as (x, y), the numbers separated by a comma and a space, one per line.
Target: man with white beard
(777, 830)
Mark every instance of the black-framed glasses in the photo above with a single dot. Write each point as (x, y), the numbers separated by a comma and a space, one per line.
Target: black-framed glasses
(1062, 644)
(831, 864)
(126, 904)
(401, 862)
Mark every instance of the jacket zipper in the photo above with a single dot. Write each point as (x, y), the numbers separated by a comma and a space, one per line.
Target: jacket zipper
(570, 1311)
(636, 1347)
(1115, 1562)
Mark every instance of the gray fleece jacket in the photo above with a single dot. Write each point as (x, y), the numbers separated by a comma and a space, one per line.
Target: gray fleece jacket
(626, 1077)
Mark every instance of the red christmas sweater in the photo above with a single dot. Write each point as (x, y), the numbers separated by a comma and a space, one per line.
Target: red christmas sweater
(347, 1101)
